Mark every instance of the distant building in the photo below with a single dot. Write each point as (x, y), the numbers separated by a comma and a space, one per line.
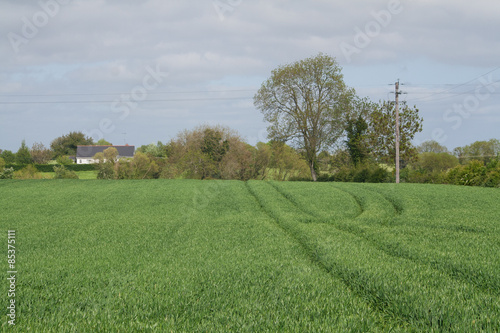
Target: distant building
(85, 154)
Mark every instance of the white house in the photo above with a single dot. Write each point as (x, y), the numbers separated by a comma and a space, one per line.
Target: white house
(85, 154)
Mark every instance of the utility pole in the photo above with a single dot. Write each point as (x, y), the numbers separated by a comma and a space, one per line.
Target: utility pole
(397, 131)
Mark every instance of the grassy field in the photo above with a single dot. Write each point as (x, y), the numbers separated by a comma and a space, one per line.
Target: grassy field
(190, 256)
(81, 175)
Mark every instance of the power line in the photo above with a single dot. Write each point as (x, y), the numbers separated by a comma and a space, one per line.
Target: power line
(459, 85)
(122, 101)
(128, 92)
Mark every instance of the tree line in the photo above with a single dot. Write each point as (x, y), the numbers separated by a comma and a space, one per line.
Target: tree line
(217, 152)
(319, 129)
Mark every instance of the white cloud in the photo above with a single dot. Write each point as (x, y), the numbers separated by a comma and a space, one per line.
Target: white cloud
(105, 46)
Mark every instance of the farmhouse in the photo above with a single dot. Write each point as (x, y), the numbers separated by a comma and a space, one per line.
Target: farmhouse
(85, 154)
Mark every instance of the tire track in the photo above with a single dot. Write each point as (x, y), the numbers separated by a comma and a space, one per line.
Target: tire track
(458, 274)
(332, 269)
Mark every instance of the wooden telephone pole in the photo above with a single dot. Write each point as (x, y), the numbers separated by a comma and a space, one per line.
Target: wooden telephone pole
(397, 131)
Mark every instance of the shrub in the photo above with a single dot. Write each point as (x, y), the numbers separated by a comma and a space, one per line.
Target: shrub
(472, 174)
(7, 173)
(28, 172)
(492, 179)
(64, 160)
(361, 174)
(62, 173)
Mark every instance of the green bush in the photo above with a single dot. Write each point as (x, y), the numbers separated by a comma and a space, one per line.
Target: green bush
(44, 167)
(423, 176)
(81, 167)
(49, 167)
(64, 160)
(7, 173)
(62, 172)
(475, 173)
(28, 172)
(361, 174)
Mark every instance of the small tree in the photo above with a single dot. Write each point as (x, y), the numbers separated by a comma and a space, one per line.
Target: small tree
(40, 154)
(261, 161)
(111, 154)
(286, 162)
(103, 142)
(23, 155)
(66, 144)
(356, 140)
(8, 156)
(105, 167)
(64, 160)
(382, 129)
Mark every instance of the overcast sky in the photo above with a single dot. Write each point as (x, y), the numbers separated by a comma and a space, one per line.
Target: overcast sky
(141, 71)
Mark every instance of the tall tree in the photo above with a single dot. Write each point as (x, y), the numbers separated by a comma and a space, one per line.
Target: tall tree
(382, 132)
(66, 144)
(304, 102)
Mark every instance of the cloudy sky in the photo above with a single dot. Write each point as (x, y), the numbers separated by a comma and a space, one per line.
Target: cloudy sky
(141, 71)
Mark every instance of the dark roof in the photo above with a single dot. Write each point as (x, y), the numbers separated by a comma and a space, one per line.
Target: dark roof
(90, 151)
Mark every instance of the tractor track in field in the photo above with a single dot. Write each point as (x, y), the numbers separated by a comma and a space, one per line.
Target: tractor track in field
(456, 273)
(287, 231)
(314, 258)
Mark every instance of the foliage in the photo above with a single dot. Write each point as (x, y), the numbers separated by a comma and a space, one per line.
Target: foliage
(432, 162)
(262, 157)
(484, 151)
(103, 142)
(141, 166)
(286, 162)
(40, 154)
(209, 153)
(410, 175)
(2, 163)
(62, 173)
(66, 144)
(366, 173)
(475, 173)
(432, 146)
(6, 173)
(8, 156)
(356, 140)
(382, 129)
(110, 154)
(155, 150)
(64, 160)
(304, 103)
(23, 156)
(105, 167)
(28, 172)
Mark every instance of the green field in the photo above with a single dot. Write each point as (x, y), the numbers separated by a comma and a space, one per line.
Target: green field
(230, 256)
